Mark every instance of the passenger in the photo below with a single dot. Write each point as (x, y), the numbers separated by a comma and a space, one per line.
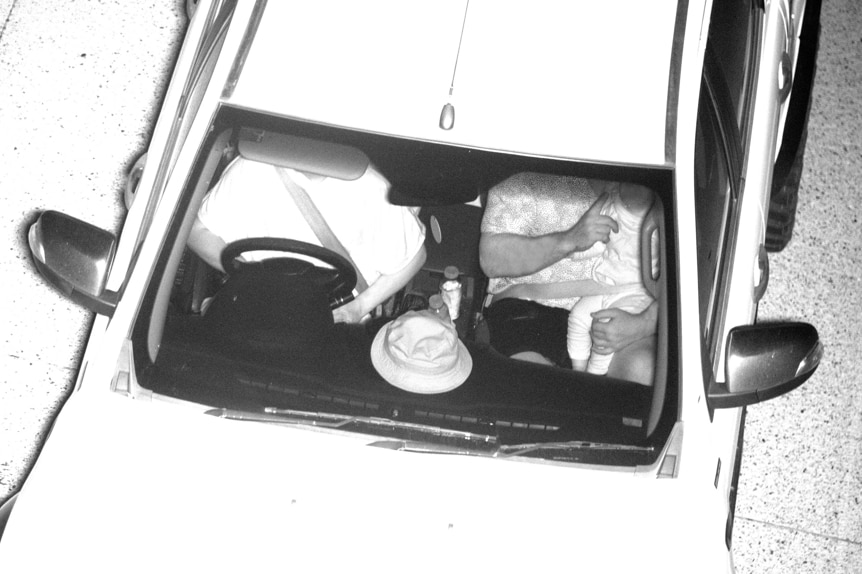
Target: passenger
(541, 235)
(385, 241)
(619, 268)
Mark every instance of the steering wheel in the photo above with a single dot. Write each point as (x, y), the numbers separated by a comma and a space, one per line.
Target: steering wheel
(338, 282)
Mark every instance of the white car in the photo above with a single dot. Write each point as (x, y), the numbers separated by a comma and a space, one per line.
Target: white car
(191, 442)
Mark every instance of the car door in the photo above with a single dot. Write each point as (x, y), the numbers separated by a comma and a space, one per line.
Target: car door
(734, 153)
(759, 103)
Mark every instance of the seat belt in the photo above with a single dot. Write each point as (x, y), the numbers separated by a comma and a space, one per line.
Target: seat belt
(560, 290)
(318, 224)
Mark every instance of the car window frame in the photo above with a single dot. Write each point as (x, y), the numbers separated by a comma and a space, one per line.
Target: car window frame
(733, 125)
(724, 145)
(196, 85)
(745, 104)
(147, 331)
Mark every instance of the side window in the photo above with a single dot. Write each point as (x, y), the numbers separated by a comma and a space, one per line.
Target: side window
(723, 114)
(202, 70)
(733, 41)
(194, 89)
(712, 187)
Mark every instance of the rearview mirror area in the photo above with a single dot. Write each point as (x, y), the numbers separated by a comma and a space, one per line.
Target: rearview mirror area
(765, 361)
(75, 257)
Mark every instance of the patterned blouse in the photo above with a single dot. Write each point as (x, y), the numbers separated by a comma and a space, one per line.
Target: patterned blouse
(535, 204)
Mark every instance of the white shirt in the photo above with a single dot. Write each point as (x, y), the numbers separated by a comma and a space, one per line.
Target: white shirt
(620, 264)
(250, 200)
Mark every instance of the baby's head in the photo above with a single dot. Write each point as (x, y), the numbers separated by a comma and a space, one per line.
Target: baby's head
(637, 199)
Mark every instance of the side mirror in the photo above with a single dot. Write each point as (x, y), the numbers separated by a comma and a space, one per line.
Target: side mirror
(75, 257)
(765, 361)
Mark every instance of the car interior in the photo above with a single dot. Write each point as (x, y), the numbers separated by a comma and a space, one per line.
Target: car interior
(261, 338)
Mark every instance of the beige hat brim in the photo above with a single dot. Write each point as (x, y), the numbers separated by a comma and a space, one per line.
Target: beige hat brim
(408, 380)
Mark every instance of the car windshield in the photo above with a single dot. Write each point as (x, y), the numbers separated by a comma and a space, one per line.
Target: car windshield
(256, 335)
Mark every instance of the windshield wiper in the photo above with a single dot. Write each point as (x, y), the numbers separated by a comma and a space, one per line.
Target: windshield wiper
(425, 438)
(566, 447)
(351, 422)
(482, 449)
(553, 449)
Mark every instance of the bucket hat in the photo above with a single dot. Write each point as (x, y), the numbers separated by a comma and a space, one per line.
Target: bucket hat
(421, 353)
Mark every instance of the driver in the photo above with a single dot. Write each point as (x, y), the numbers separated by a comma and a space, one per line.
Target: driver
(385, 241)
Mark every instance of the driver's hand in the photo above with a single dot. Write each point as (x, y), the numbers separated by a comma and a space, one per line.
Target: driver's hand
(349, 313)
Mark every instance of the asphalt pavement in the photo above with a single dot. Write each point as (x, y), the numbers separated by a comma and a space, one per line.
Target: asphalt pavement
(80, 86)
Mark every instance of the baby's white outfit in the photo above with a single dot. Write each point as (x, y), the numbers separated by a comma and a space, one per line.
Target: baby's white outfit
(618, 266)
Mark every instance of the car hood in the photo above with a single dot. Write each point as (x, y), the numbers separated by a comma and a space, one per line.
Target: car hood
(125, 485)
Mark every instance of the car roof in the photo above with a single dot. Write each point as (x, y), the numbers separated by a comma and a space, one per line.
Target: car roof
(576, 79)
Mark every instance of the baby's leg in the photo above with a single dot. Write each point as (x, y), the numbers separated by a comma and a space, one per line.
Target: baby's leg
(579, 340)
(598, 364)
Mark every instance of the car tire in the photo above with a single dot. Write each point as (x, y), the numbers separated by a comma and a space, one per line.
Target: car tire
(787, 174)
(783, 202)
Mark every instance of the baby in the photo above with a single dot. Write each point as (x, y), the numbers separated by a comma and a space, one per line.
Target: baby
(619, 267)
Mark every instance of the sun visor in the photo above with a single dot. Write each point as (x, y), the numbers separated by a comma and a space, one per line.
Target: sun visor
(303, 154)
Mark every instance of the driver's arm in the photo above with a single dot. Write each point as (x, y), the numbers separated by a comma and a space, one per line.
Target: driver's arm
(384, 287)
(206, 244)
